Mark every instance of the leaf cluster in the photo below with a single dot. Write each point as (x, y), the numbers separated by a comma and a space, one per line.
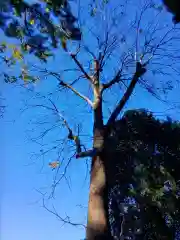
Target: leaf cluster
(39, 26)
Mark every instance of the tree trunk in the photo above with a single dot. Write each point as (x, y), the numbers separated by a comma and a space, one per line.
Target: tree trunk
(97, 225)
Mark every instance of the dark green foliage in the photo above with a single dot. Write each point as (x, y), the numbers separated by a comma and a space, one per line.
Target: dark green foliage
(144, 175)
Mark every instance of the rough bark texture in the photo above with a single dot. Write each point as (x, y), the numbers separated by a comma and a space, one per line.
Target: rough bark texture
(97, 225)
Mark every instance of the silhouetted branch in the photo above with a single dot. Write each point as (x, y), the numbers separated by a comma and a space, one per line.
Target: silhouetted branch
(140, 70)
(115, 80)
(73, 56)
(65, 220)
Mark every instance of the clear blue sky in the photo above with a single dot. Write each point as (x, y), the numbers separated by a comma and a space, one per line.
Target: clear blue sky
(22, 216)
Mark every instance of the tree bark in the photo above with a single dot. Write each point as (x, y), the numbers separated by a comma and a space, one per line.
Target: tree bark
(97, 224)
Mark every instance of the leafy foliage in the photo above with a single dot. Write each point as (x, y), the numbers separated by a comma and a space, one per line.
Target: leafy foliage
(39, 26)
(144, 195)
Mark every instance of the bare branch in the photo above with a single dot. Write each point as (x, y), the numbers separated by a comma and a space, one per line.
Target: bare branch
(66, 85)
(140, 70)
(73, 56)
(71, 136)
(61, 116)
(63, 175)
(115, 80)
(89, 51)
(89, 153)
(62, 83)
(65, 220)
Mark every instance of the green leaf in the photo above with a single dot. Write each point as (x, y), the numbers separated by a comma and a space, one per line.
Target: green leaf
(47, 10)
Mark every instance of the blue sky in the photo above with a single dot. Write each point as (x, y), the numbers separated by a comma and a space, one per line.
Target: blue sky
(23, 173)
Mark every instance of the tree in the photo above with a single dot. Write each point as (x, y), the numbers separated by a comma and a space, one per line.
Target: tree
(174, 8)
(144, 188)
(140, 49)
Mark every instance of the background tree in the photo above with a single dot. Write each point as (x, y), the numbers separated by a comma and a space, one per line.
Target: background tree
(174, 8)
(144, 191)
(122, 47)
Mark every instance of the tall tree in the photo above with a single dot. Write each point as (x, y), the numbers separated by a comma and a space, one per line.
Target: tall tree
(122, 47)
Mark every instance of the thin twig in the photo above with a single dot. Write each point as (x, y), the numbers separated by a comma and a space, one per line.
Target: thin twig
(65, 220)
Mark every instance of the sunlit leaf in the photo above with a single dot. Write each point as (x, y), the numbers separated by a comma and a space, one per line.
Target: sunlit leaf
(32, 21)
(47, 10)
(29, 78)
(54, 164)
(48, 54)
(17, 54)
(64, 43)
